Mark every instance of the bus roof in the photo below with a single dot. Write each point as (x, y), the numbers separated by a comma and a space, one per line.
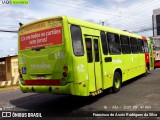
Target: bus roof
(84, 24)
(100, 27)
(40, 20)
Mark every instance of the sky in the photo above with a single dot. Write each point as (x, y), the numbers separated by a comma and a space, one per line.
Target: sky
(132, 15)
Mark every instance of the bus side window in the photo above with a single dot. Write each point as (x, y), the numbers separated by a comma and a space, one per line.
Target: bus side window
(104, 43)
(113, 43)
(141, 46)
(126, 49)
(89, 49)
(77, 43)
(96, 50)
(134, 45)
(145, 46)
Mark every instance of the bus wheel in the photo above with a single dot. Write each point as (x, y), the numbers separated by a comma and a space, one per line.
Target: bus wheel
(116, 82)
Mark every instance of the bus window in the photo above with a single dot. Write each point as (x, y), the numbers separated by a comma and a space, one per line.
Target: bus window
(113, 43)
(89, 49)
(77, 40)
(141, 45)
(125, 44)
(96, 50)
(104, 43)
(145, 46)
(134, 45)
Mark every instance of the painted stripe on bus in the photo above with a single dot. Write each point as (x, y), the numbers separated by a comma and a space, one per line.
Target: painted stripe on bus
(43, 82)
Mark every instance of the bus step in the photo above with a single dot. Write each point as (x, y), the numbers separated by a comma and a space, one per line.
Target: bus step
(96, 92)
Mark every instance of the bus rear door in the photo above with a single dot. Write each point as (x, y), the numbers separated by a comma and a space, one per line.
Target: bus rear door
(94, 64)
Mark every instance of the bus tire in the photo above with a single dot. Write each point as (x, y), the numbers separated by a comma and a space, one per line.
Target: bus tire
(116, 82)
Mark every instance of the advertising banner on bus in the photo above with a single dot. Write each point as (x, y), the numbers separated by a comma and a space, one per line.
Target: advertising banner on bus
(41, 34)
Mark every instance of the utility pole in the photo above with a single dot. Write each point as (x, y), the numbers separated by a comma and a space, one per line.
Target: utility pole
(103, 23)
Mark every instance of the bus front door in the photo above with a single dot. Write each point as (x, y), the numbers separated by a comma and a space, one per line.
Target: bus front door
(94, 64)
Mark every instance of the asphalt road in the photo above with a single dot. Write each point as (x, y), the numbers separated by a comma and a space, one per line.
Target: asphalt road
(138, 94)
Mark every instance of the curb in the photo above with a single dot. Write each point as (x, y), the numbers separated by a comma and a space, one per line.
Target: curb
(14, 81)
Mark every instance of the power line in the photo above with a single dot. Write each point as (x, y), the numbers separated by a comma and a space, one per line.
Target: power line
(108, 12)
(139, 8)
(135, 10)
(10, 31)
(142, 30)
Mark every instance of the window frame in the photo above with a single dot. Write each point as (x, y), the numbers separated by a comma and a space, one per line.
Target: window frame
(141, 45)
(89, 50)
(146, 46)
(96, 50)
(113, 43)
(104, 43)
(132, 44)
(124, 44)
(73, 45)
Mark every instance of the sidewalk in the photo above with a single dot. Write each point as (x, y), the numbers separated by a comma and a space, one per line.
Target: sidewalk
(9, 85)
(12, 82)
(2, 89)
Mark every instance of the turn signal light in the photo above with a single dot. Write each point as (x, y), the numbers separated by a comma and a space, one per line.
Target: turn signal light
(65, 68)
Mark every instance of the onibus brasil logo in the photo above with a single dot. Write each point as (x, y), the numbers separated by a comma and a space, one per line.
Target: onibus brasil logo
(5, 2)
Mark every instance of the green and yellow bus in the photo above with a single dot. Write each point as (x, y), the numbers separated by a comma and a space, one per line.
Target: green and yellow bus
(63, 55)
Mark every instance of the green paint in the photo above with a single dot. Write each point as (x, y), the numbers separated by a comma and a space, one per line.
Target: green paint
(82, 77)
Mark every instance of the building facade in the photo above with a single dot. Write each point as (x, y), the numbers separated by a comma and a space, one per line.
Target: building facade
(9, 68)
(156, 22)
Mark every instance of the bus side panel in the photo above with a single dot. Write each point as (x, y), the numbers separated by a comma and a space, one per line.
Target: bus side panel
(79, 72)
(109, 69)
(68, 50)
(94, 69)
(132, 66)
(136, 65)
(80, 75)
(143, 63)
(151, 62)
(126, 66)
